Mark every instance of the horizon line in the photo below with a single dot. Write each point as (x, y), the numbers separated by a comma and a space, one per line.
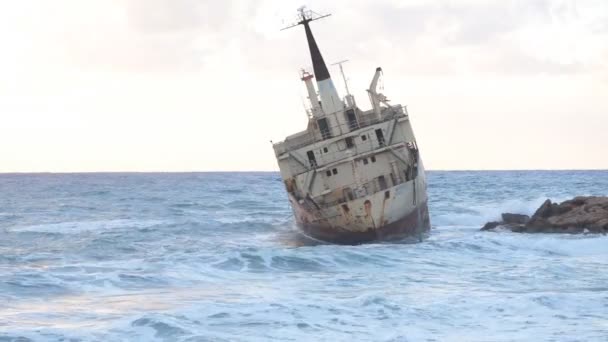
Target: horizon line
(275, 171)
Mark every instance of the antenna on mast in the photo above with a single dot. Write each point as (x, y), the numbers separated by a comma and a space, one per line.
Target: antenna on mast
(305, 16)
(343, 76)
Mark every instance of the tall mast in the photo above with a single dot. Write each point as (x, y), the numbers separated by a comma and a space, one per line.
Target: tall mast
(330, 101)
(350, 100)
(343, 75)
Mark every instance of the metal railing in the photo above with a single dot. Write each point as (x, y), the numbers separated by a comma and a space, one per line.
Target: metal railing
(366, 120)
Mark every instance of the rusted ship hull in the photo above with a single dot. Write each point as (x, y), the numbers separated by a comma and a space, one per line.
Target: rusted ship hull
(393, 214)
(413, 227)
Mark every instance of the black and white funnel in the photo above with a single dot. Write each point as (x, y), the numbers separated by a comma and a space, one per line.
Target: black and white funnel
(330, 101)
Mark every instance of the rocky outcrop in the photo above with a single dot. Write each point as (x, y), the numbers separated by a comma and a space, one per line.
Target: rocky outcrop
(578, 215)
(515, 218)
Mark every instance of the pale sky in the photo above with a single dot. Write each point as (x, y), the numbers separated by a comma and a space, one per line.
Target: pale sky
(202, 85)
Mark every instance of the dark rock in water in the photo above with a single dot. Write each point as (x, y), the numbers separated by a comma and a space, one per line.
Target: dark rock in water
(544, 210)
(515, 218)
(578, 215)
(490, 225)
(518, 228)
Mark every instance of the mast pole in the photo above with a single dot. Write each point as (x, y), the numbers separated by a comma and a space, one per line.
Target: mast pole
(343, 75)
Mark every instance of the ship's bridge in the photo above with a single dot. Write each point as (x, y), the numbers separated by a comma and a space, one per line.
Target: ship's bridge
(318, 129)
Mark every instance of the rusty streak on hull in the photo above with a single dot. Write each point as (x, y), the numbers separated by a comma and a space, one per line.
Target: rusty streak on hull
(415, 225)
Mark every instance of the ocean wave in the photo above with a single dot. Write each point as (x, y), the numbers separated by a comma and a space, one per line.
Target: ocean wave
(477, 214)
(86, 226)
(159, 329)
(580, 245)
(217, 257)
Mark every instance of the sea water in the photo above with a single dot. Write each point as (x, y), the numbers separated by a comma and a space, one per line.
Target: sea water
(216, 257)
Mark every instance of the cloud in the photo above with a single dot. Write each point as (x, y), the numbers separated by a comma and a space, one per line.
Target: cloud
(416, 37)
(186, 69)
(438, 37)
(163, 16)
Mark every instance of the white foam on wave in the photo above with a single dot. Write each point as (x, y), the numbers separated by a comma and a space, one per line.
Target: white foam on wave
(479, 214)
(578, 245)
(84, 226)
(246, 219)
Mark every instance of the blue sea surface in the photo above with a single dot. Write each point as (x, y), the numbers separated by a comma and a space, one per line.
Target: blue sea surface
(216, 257)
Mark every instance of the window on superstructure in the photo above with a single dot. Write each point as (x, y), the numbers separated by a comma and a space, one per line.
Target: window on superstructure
(365, 162)
(328, 173)
(364, 137)
(373, 159)
(352, 119)
(380, 137)
(324, 128)
(349, 142)
(382, 183)
(311, 159)
(325, 149)
(334, 171)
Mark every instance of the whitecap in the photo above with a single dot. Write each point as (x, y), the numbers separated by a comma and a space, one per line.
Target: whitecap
(84, 226)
